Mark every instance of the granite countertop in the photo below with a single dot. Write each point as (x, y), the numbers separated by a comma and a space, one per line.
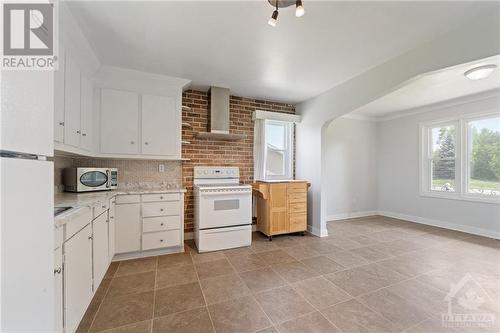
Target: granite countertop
(82, 202)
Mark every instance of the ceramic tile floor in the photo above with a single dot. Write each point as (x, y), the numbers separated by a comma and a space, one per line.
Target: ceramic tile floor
(371, 274)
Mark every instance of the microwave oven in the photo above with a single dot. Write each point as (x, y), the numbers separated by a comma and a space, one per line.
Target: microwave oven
(90, 179)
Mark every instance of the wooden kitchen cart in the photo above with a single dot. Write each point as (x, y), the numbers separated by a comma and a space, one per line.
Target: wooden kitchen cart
(281, 206)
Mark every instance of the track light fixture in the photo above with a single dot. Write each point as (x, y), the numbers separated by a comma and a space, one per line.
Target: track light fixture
(299, 9)
(274, 18)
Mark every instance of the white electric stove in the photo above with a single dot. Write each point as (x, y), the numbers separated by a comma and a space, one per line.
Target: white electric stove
(222, 209)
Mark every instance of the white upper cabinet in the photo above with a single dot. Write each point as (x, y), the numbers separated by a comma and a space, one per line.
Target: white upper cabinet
(87, 94)
(161, 126)
(119, 122)
(59, 97)
(72, 95)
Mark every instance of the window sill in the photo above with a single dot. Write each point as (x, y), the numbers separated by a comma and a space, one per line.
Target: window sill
(462, 197)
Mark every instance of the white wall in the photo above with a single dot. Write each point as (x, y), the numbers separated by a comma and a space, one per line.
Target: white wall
(456, 47)
(351, 179)
(398, 175)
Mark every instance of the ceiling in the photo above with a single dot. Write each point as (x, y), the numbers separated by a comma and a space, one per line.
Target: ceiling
(230, 44)
(440, 86)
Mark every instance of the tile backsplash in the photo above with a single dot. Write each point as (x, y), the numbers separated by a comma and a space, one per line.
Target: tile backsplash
(131, 173)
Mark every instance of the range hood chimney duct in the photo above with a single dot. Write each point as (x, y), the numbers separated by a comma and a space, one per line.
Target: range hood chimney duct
(218, 116)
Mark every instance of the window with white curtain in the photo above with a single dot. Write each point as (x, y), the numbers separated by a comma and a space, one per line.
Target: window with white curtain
(461, 158)
(273, 150)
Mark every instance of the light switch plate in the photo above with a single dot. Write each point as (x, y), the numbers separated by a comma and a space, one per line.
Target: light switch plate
(161, 168)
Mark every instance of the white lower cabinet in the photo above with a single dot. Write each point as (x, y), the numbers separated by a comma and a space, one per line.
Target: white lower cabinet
(77, 277)
(89, 245)
(79, 267)
(58, 288)
(128, 228)
(149, 221)
(100, 254)
(111, 229)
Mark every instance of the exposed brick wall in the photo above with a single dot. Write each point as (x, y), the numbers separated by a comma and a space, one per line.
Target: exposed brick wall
(209, 152)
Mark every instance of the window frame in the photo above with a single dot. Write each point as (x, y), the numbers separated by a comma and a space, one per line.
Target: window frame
(289, 149)
(462, 154)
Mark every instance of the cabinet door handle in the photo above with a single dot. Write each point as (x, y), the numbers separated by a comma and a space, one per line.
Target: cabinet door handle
(161, 209)
(132, 142)
(146, 143)
(84, 134)
(104, 206)
(161, 240)
(90, 237)
(57, 270)
(161, 197)
(111, 217)
(161, 224)
(61, 123)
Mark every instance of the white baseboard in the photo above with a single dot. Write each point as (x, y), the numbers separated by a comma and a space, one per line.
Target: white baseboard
(343, 216)
(317, 231)
(442, 224)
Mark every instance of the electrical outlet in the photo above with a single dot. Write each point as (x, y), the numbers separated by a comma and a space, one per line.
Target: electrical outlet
(161, 168)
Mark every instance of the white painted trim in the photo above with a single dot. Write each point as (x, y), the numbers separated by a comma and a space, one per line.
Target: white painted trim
(317, 232)
(360, 117)
(462, 197)
(351, 215)
(443, 224)
(148, 253)
(461, 157)
(269, 115)
(429, 108)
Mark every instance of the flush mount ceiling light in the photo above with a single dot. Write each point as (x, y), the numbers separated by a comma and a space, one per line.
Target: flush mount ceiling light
(299, 9)
(480, 72)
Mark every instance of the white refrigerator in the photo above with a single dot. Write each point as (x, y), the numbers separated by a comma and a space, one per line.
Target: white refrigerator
(27, 201)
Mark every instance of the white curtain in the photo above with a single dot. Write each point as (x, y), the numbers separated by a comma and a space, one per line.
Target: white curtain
(259, 149)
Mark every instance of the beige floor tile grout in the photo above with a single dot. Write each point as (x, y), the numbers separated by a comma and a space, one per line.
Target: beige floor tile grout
(202, 293)
(103, 298)
(154, 296)
(446, 241)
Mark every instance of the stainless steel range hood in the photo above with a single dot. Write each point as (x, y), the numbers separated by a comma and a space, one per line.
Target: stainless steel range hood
(218, 116)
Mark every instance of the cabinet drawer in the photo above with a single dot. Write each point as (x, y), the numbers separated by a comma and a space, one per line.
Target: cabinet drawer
(155, 240)
(298, 207)
(297, 187)
(298, 222)
(297, 197)
(151, 209)
(100, 208)
(161, 223)
(77, 222)
(160, 197)
(124, 199)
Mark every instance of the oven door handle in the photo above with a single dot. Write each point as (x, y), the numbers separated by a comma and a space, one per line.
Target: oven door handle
(203, 194)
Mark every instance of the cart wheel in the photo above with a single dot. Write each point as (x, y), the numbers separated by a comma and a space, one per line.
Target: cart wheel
(270, 238)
